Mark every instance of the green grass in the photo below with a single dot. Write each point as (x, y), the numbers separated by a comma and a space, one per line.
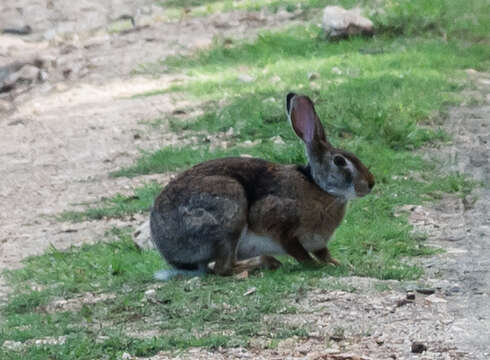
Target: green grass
(117, 206)
(464, 19)
(208, 312)
(379, 98)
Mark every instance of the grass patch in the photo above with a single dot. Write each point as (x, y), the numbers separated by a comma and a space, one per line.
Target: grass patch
(208, 312)
(117, 206)
(463, 19)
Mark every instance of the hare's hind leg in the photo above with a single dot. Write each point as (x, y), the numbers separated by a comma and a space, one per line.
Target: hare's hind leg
(226, 207)
(199, 221)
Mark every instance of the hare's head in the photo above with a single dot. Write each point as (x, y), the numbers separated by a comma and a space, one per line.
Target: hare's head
(338, 172)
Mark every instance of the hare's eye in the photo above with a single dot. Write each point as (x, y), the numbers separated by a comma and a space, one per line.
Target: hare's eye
(339, 161)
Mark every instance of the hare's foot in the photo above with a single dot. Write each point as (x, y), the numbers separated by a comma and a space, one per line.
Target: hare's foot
(225, 260)
(324, 256)
(256, 263)
(247, 265)
(269, 262)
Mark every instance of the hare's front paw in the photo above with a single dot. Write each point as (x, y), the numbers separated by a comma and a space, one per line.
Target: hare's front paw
(324, 256)
(269, 262)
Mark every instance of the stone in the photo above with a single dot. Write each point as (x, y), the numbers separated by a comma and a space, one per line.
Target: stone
(27, 73)
(313, 76)
(425, 291)
(5, 106)
(245, 78)
(341, 23)
(433, 299)
(250, 291)
(12, 345)
(418, 347)
(142, 236)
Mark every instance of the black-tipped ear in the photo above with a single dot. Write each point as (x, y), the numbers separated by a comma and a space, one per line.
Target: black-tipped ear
(305, 122)
(289, 97)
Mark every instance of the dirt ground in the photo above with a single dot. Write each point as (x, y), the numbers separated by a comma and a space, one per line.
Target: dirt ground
(60, 138)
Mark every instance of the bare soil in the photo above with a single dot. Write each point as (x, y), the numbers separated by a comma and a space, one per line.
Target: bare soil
(61, 137)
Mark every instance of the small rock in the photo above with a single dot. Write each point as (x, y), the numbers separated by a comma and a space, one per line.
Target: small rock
(24, 30)
(250, 143)
(403, 302)
(425, 291)
(193, 283)
(142, 236)
(335, 337)
(6, 106)
(418, 347)
(455, 289)
(250, 291)
(12, 345)
(410, 296)
(326, 354)
(433, 299)
(125, 356)
(313, 76)
(269, 100)
(245, 78)
(28, 72)
(348, 356)
(275, 79)
(314, 86)
(341, 23)
(277, 140)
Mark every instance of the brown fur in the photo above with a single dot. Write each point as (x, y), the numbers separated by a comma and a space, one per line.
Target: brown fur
(282, 202)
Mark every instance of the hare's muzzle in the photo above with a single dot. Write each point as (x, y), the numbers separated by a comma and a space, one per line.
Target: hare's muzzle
(364, 187)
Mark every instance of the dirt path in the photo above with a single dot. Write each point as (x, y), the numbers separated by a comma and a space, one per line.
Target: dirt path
(60, 138)
(465, 227)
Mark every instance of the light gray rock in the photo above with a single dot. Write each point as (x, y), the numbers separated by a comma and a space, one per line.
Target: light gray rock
(341, 23)
(142, 236)
(5, 106)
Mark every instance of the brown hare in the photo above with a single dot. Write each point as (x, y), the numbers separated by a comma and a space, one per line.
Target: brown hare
(233, 209)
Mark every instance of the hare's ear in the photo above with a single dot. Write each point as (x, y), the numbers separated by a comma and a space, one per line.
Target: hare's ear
(304, 120)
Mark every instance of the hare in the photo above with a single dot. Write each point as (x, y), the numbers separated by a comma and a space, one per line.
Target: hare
(233, 209)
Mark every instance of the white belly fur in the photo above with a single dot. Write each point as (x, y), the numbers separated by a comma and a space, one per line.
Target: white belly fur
(251, 245)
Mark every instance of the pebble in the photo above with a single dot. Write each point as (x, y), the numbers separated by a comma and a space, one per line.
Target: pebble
(418, 347)
(425, 291)
(245, 78)
(339, 22)
(313, 76)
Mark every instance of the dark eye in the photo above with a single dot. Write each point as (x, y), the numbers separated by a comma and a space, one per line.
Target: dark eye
(339, 161)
